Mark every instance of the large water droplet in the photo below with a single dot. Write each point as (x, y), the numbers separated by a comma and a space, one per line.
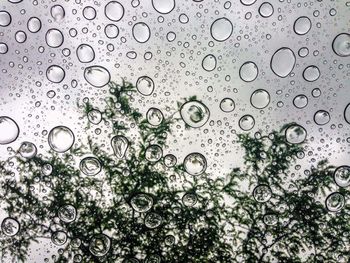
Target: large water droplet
(54, 38)
(163, 6)
(9, 130)
(34, 24)
(260, 99)
(145, 85)
(90, 166)
(114, 11)
(246, 122)
(119, 145)
(295, 134)
(67, 213)
(300, 101)
(266, 9)
(154, 116)
(10, 226)
(27, 150)
(347, 113)
(227, 105)
(97, 76)
(61, 139)
(341, 45)
(55, 74)
(141, 202)
(153, 153)
(311, 73)
(209, 62)
(5, 18)
(335, 202)
(195, 163)
(141, 32)
(85, 53)
(262, 193)
(59, 238)
(194, 113)
(322, 117)
(283, 62)
(221, 29)
(302, 25)
(99, 245)
(248, 71)
(57, 13)
(153, 220)
(342, 176)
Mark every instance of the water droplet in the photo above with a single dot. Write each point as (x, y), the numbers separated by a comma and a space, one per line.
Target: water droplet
(89, 13)
(311, 73)
(170, 160)
(248, 71)
(46, 169)
(20, 36)
(154, 116)
(97, 76)
(3, 48)
(283, 62)
(153, 153)
(54, 38)
(153, 220)
(94, 116)
(266, 9)
(61, 139)
(295, 134)
(141, 32)
(248, 2)
(262, 193)
(335, 202)
(270, 219)
(5, 18)
(145, 85)
(322, 117)
(114, 11)
(141, 203)
(194, 113)
(34, 25)
(57, 13)
(171, 36)
(27, 150)
(163, 6)
(300, 101)
(246, 122)
(189, 199)
(67, 213)
(260, 99)
(119, 144)
(209, 62)
(302, 25)
(10, 226)
(111, 31)
(195, 163)
(221, 29)
(99, 245)
(59, 238)
(90, 166)
(341, 45)
(55, 74)
(85, 53)
(227, 105)
(342, 176)
(347, 113)
(9, 130)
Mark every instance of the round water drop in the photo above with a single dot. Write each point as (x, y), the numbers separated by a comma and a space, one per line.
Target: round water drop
(55, 74)
(295, 134)
(99, 245)
(5, 18)
(227, 105)
(341, 45)
(111, 31)
(154, 116)
(94, 116)
(97, 76)
(311, 73)
(194, 113)
(27, 150)
(114, 11)
(262, 193)
(89, 13)
(153, 153)
(141, 203)
(260, 99)
(246, 122)
(152, 259)
(209, 62)
(34, 24)
(61, 139)
(85, 53)
(59, 238)
(221, 29)
(54, 38)
(283, 62)
(248, 2)
(270, 219)
(303, 52)
(195, 163)
(248, 71)
(9, 130)
(347, 113)
(141, 32)
(46, 169)
(15, 1)
(90, 166)
(300, 101)
(163, 6)
(145, 85)
(189, 199)
(20, 36)
(67, 213)
(322, 117)
(170, 160)
(335, 202)
(302, 25)
(3, 48)
(57, 12)
(10, 226)
(171, 36)
(342, 176)
(266, 9)
(153, 220)
(120, 144)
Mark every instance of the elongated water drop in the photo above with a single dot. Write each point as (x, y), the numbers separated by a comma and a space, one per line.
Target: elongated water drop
(119, 144)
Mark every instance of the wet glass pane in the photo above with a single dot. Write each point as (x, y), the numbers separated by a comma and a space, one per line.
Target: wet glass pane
(174, 131)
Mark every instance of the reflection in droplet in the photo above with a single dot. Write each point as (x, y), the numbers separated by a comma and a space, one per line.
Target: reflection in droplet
(322, 117)
(99, 245)
(9, 130)
(61, 139)
(221, 29)
(295, 134)
(153, 153)
(67, 213)
(194, 113)
(145, 85)
(55, 74)
(335, 202)
(282, 62)
(141, 203)
(10, 226)
(97, 76)
(227, 105)
(141, 32)
(154, 116)
(27, 150)
(119, 145)
(246, 122)
(302, 25)
(262, 193)
(90, 166)
(341, 45)
(195, 163)
(248, 71)
(260, 99)
(342, 176)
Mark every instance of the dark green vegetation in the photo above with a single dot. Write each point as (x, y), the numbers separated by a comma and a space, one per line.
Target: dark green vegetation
(137, 209)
